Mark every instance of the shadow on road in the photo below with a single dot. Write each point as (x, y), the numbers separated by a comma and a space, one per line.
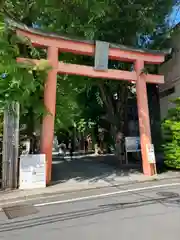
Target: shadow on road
(171, 200)
(92, 168)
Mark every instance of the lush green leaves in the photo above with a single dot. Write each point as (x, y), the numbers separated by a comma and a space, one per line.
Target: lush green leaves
(126, 22)
(20, 82)
(171, 130)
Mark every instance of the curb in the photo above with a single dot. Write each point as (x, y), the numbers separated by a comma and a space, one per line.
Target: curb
(31, 197)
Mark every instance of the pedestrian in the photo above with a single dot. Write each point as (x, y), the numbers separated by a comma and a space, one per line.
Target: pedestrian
(62, 149)
(33, 143)
(71, 148)
(119, 146)
(86, 145)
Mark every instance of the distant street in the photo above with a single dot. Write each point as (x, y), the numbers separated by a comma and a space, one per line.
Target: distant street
(113, 213)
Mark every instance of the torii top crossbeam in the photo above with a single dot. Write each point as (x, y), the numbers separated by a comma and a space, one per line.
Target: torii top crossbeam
(56, 44)
(84, 47)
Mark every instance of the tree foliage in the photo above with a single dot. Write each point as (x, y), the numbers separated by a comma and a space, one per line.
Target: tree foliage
(124, 22)
(67, 107)
(171, 130)
(22, 82)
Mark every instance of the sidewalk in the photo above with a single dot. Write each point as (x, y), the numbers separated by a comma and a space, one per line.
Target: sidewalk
(84, 173)
(73, 185)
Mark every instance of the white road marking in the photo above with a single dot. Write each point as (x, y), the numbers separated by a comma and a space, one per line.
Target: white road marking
(105, 194)
(30, 199)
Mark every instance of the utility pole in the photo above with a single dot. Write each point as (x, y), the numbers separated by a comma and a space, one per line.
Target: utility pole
(15, 165)
(5, 161)
(10, 146)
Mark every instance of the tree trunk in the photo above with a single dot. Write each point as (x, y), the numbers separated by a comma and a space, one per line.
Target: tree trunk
(116, 109)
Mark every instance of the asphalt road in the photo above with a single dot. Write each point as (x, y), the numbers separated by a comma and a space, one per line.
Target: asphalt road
(148, 214)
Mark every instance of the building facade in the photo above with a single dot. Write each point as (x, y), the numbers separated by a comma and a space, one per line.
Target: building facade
(171, 70)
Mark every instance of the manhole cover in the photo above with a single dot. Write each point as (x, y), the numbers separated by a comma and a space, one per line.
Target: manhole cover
(168, 194)
(19, 211)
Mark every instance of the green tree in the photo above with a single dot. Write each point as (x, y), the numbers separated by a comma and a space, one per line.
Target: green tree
(171, 130)
(67, 107)
(131, 23)
(20, 82)
(105, 21)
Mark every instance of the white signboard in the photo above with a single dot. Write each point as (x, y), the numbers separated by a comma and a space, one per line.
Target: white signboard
(32, 172)
(132, 144)
(150, 153)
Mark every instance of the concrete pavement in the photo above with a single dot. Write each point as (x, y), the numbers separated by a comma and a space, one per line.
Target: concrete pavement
(91, 194)
(85, 173)
(142, 214)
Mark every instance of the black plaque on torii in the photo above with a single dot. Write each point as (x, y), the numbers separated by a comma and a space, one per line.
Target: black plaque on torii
(101, 56)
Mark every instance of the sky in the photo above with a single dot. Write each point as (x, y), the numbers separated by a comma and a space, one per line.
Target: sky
(175, 16)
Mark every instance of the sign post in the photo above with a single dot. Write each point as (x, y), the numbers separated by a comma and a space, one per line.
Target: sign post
(151, 155)
(132, 144)
(101, 56)
(32, 171)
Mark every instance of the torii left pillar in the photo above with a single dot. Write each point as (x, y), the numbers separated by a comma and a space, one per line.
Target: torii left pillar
(47, 131)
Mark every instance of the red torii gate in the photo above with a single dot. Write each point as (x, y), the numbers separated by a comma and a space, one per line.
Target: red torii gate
(56, 44)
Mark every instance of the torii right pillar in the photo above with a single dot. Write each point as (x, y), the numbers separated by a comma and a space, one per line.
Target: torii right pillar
(149, 169)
